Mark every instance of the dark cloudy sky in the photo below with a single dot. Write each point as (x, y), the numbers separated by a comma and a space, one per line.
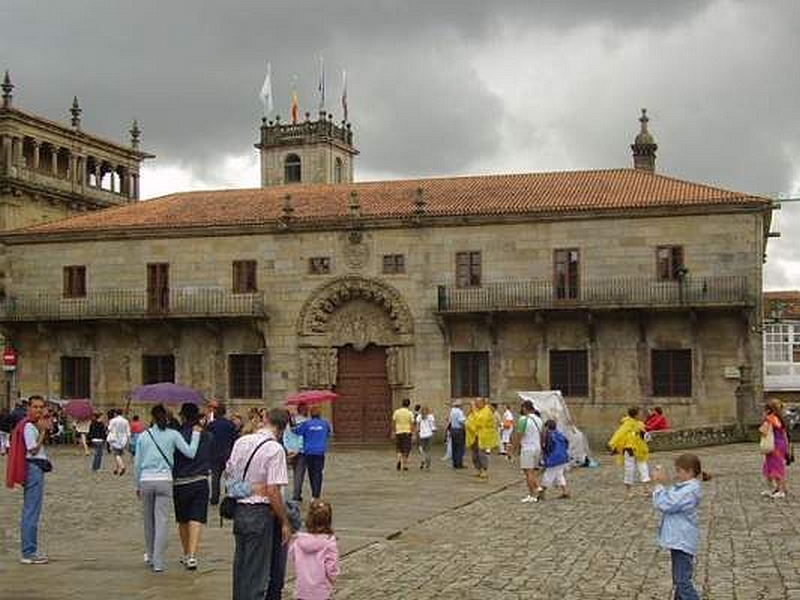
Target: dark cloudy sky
(435, 87)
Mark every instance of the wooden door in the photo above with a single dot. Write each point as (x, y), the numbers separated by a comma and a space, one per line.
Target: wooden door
(362, 411)
(158, 287)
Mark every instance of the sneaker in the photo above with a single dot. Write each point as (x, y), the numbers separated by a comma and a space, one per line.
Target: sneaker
(398, 465)
(158, 569)
(528, 498)
(190, 563)
(767, 493)
(183, 559)
(146, 559)
(779, 494)
(36, 559)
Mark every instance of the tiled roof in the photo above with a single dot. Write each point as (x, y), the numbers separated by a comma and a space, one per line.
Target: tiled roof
(531, 194)
(782, 305)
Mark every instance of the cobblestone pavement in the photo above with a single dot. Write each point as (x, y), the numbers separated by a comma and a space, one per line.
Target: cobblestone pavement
(439, 534)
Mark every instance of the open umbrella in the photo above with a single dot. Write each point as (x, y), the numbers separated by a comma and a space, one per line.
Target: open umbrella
(80, 410)
(168, 393)
(311, 397)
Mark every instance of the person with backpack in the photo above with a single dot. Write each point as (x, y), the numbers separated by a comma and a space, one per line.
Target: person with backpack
(555, 457)
(527, 444)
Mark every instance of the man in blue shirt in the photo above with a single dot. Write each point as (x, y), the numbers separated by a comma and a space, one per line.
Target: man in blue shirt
(315, 431)
(224, 433)
(457, 434)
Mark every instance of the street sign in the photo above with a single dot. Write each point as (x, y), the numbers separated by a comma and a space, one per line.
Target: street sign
(9, 359)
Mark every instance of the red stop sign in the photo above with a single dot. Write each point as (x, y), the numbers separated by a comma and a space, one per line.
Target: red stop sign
(9, 359)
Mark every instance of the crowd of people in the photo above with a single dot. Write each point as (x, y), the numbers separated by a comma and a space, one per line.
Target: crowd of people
(180, 461)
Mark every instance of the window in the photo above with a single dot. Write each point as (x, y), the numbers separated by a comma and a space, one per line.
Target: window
(76, 377)
(468, 269)
(338, 170)
(75, 281)
(394, 263)
(158, 369)
(672, 373)
(669, 262)
(469, 374)
(566, 265)
(319, 265)
(292, 169)
(244, 372)
(569, 372)
(244, 276)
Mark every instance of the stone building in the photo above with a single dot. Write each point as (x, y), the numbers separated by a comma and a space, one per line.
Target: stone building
(617, 287)
(782, 345)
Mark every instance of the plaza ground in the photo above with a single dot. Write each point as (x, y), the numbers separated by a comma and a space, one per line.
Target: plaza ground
(438, 534)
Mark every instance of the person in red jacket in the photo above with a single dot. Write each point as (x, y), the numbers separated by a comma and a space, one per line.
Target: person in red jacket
(656, 421)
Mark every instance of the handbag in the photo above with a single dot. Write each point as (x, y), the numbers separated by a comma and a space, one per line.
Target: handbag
(237, 488)
(767, 442)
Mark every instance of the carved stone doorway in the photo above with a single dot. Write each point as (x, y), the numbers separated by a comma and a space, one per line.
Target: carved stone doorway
(363, 409)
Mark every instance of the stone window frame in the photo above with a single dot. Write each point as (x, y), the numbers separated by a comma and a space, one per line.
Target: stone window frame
(245, 376)
(74, 281)
(319, 265)
(292, 168)
(670, 262)
(574, 364)
(394, 264)
(155, 365)
(244, 276)
(566, 273)
(671, 372)
(76, 377)
(338, 170)
(469, 266)
(470, 374)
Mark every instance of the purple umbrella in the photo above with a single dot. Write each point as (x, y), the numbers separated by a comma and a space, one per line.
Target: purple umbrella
(168, 393)
(79, 410)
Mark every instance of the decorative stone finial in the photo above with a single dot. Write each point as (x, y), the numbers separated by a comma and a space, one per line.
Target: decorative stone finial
(7, 88)
(354, 206)
(419, 202)
(644, 146)
(287, 210)
(75, 111)
(136, 135)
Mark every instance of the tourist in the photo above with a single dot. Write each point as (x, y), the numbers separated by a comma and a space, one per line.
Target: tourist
(82, 429)
(6, 428)
(238, 423)
(137, 427)
(299, 459)
(277, 420)
(315, 432)
(555, 458)
(482, 436)
(254, 525)
(97, 436)
(498, 424)
(27, 464)
(774, 467)
(190, 486)
(455, 427)
(656, 421)
(315, 555)
(212, 407)
(224, 433)
(678, 530)
(507, 430)
(628, 442)
(426, 426)
(118, 437)
(403, 421)
(153, 475)
(527, 444)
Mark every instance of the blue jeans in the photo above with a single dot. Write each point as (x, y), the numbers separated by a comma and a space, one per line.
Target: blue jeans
(97, 461)
(682, 567)
(31, 509)
(315, 463)
(458, 438)
(253, 531)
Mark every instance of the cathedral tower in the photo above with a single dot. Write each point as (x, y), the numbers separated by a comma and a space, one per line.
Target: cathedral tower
(306, 152)
(644, 146)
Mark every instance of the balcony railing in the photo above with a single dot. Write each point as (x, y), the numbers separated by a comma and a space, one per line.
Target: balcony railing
(188, 302)
(610, 293)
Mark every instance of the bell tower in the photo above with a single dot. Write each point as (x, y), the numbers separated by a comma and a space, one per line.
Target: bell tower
(307, 152)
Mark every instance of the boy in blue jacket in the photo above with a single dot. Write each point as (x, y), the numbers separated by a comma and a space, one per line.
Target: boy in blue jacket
(555, 458)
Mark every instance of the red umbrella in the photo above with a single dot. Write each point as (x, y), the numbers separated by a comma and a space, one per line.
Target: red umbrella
(311, 397)
(79, 409)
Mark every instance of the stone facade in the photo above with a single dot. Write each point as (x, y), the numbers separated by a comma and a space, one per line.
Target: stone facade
(308, 318)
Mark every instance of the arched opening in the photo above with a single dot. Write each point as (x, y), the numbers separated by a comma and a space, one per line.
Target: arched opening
(338, 168)
(292, 169)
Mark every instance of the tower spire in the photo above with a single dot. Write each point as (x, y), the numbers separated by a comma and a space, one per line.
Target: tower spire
(136, 135)
(644, 146)
(76, 111)
(7, 88)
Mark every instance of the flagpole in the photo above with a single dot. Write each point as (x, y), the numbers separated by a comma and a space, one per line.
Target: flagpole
(321, 84)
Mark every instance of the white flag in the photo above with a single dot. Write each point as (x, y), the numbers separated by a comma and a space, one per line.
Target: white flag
(266, 92)
(344, 95)
(321, 84)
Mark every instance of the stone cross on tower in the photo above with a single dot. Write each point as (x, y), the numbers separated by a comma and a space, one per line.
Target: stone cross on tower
(644, 147)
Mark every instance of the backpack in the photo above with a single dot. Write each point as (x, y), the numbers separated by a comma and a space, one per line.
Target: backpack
(15, 465)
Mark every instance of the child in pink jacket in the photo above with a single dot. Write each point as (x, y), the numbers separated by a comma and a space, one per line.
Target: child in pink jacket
(314, 555)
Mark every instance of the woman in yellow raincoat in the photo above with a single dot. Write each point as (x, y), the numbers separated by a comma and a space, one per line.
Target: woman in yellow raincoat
(481, 435)
(629, 443)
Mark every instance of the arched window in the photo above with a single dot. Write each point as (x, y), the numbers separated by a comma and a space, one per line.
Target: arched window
(337, 170)
(291, 169)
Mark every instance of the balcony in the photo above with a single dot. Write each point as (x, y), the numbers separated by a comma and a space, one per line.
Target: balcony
(188, 302)
(65, 184)
(599, 294)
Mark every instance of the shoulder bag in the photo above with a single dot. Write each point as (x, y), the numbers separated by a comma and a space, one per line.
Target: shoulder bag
(238, 488)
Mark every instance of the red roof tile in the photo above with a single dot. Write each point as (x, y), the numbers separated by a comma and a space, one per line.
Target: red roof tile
(535, 193)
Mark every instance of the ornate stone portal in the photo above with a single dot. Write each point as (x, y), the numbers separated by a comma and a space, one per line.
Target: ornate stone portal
(354, 311)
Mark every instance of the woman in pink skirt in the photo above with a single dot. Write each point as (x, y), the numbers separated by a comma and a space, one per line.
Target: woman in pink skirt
(774, 468)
